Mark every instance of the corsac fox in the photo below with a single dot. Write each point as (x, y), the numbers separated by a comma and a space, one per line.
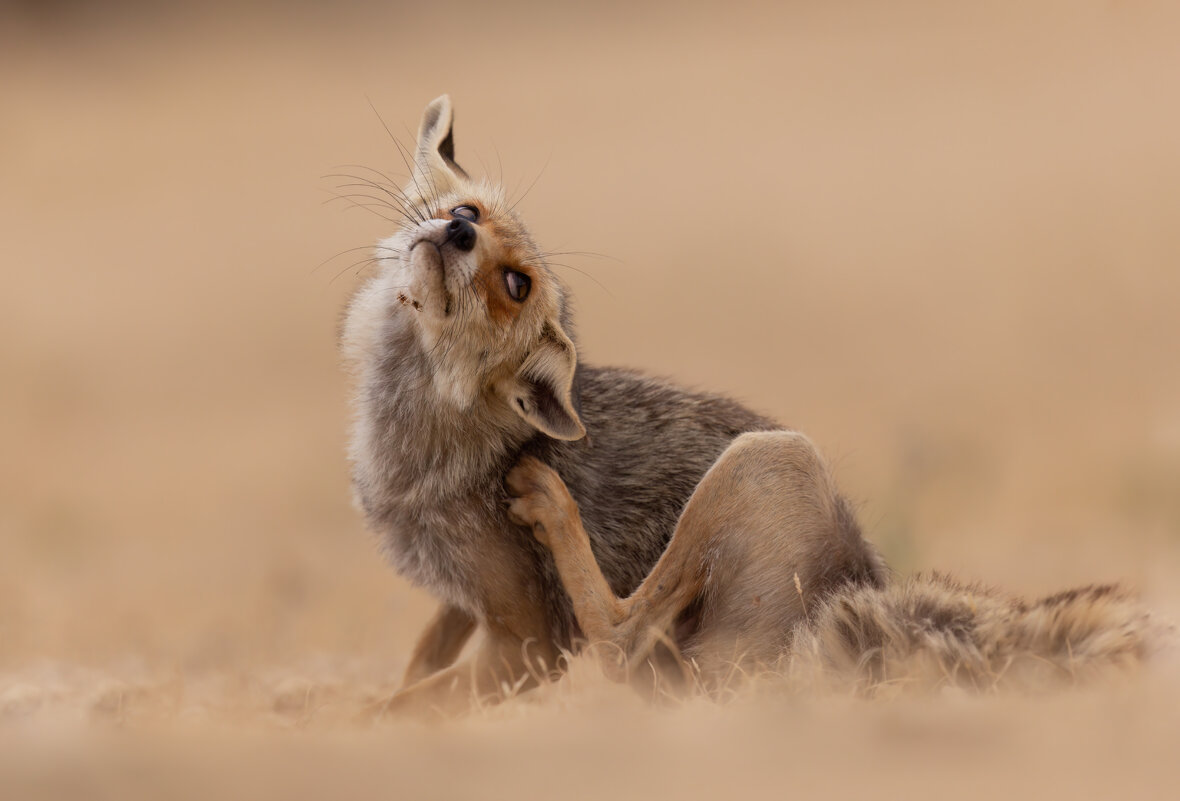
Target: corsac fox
(684, 531)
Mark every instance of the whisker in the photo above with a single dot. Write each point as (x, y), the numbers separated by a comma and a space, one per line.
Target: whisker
(319, 266)
(601, 285)
(547, 253)
(482, 163)
(500, 162)
(403, 205)
(334, 278)
(393, 184)
(372, 260)
(370, 207)
(544, 167)
(402, 151)
(375, 201)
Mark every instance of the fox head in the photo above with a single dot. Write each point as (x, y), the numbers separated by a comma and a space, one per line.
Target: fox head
(464, 279)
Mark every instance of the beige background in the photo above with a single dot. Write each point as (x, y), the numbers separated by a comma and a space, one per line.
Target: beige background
(940, 238)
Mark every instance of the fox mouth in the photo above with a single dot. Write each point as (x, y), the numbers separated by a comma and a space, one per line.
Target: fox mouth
(427, 258)
(427, 246)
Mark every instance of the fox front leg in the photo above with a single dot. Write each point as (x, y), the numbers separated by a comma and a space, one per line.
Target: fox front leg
(440, 644)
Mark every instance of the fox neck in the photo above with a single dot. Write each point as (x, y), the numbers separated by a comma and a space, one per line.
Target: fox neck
(424, 436)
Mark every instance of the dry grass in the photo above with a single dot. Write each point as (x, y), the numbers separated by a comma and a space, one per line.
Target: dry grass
(589, 738)
(951, 229)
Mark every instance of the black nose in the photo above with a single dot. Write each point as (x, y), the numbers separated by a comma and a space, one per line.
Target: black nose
(461, 234)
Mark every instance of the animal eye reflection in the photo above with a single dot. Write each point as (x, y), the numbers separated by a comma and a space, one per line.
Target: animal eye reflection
(469, 213)
(517, 284)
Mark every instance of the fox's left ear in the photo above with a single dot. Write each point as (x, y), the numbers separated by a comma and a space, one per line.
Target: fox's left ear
(542, 390)
(435, 170)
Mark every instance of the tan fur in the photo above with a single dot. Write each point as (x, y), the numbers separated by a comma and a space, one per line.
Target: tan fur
(516, 653)
(757, 547)
(760, 539)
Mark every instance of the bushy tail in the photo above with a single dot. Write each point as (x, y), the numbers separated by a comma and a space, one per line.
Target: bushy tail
(932, 631)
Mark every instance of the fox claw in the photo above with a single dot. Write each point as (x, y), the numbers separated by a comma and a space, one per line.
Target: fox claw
(535, 496)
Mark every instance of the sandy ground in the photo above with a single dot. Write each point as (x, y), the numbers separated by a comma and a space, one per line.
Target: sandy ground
(941, 239)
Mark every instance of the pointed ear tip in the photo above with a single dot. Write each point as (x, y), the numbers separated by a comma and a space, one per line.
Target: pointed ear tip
(442, 102)
(436, 122)
(578, 433)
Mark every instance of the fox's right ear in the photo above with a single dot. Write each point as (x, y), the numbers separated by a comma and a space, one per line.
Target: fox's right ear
(542, 391)
(435, 170)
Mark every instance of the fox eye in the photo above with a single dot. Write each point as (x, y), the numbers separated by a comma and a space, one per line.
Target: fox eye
(518, 284)
(469, 213)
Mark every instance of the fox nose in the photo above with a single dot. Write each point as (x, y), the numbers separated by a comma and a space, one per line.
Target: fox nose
(461, 234)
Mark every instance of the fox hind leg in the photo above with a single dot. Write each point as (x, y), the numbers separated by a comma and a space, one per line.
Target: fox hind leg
(762, 531)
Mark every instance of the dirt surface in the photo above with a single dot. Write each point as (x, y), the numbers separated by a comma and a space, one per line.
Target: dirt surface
(940, 239)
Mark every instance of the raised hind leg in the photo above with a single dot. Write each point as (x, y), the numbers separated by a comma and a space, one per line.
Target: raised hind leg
(763, 530)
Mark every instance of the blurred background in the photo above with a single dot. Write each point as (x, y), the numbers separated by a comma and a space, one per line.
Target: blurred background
(939, 238)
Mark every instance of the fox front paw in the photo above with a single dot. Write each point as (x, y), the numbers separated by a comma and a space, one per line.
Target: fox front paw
(537, 498)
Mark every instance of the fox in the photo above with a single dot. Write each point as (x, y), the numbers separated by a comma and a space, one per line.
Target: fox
(552, 505)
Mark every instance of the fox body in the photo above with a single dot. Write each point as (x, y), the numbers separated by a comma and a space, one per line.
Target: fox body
(463, 354)
(465, 365)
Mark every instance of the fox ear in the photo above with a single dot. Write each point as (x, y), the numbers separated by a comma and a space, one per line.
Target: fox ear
(541, 392)
(435, 169)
